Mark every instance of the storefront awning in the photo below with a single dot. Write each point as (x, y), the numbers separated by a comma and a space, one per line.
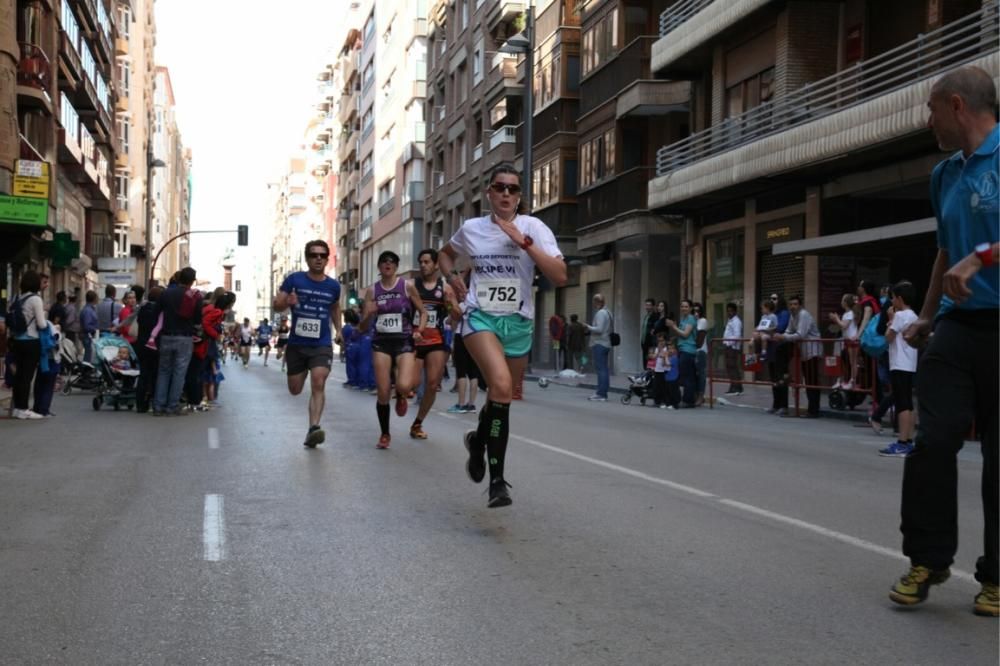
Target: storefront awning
(855, 240)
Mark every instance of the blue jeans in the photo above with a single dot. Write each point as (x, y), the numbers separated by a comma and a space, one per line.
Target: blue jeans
(175, 355)
(600, 355)
(45, 384)
(88, 348)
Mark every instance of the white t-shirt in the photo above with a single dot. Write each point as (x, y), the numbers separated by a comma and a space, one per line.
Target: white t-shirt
(502, 272)
(703, 326)
(901, 355)
(851, 332)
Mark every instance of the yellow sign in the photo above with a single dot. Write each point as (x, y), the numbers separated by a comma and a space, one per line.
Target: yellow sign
(31, 179)
(779, 233)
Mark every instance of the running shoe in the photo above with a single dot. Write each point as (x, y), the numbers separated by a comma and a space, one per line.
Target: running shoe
(383, 442)
(456, 409)
(401, 405)
(469, 409)
(475, 466)
(896, 450)
(987, 601)
(417, 431)
(876, 426)
(314, 437)
(848, 386)
(913, 587)
(498, 494)
(27, 414)
(597, 398)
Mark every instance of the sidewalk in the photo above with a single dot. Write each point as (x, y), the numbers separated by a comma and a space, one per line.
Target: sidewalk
(754, 396)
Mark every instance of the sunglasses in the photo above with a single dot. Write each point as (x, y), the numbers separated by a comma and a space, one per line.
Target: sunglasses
(510, 188)
(317, 255)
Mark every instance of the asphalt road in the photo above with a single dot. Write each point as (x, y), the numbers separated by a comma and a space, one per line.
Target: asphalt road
(637, 536)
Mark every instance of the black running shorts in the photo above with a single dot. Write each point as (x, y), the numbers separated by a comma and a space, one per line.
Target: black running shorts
(392, 346)
(464, 365)
(423, 351)
(299, 358)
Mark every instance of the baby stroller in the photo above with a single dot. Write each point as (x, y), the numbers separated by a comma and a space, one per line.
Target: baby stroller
(79, 374)
(117, 364)
(640, 386)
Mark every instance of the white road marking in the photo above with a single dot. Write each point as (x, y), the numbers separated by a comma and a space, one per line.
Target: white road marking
(734, 504)
(213, 438)
(214, 532)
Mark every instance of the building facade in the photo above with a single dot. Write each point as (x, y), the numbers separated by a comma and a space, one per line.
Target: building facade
(171, 205)
(807, 164)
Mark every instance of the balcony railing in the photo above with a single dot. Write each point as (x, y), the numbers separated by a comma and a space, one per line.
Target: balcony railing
(387, 207)
(605, 83)
(676, 14)
(477, 152)
(34, 68)
(620, 194)
(945, 48)
(506, 134)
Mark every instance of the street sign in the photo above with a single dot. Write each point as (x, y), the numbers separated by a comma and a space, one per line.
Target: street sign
(31, 179)
(24, 210)
(117, 278)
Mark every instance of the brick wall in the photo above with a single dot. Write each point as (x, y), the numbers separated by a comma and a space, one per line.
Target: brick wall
(807, 34)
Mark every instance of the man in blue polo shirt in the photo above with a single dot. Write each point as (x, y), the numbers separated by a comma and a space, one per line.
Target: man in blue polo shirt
(315, 302)
(957, 376)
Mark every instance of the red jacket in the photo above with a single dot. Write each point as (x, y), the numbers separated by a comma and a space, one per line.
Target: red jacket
(211, 320)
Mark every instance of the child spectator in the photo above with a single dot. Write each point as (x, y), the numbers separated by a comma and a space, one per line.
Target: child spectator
(902, 367)
(765, 328)
(122, 361)
(671, 377)
(848, 324)
(660, 356)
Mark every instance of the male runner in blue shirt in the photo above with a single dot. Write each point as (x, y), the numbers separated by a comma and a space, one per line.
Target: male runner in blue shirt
(315, 302)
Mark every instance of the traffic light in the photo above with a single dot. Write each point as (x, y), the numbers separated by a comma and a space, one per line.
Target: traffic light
(352, 298)
(242, 235)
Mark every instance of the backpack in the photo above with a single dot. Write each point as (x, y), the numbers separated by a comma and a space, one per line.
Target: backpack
(872, 343)
(17, 322)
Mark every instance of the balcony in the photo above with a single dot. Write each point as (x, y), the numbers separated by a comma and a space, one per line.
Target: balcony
(615, 198)
(702, 20)
(505, 134)
(882, 97)
(605, 83)
(100, 245)
(477, 152)
(503, 13)
(502, 78)
(121, 46)
(387, 207)
(348, 107)
(413, 201)
(366, 178)
(653, 98)
(353, 179)
(34, 69)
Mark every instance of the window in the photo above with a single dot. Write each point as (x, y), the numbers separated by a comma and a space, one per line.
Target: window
(366, 165)
(369, 27)
(461, 84)
(121, 189)
(547, 77)
(124, 77)
(239, 285)
(385, 192)
(750, 92)
(597, 158)
(124, 20)
(87, 61)
(70, 26)
(124, 127)
(368, 77)
(545, 184)
(463, 14)
(477, 66)
(69, 119)
(600, 42)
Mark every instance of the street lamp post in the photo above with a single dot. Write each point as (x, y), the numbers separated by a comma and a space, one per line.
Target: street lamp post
(151, 164)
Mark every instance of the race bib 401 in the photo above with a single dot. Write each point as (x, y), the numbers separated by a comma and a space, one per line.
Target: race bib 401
(389, 323)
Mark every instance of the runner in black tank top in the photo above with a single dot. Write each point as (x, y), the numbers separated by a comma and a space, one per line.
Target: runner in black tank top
(432, 352)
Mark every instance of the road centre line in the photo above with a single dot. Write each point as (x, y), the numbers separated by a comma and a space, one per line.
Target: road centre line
(213, 438)
(733, 504)
(214, 530)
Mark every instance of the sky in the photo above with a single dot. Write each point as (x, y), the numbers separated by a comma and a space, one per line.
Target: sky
(244, 81)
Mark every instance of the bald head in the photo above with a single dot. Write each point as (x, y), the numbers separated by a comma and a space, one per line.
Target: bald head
(598, 299)
(973, 84)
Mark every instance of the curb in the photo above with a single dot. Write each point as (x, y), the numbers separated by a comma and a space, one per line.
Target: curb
(846, 415)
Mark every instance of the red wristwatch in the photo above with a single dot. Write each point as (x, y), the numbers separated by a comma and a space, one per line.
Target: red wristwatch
(528, 242)
(985, 253)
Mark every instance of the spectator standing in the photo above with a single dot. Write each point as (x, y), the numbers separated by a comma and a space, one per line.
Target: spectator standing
(957, 379)
(147, 318)
(848, 325)
(902, 367)
(686, 334)
(576, 342)
(123, 323)
(89, 325)
(57, 313)
(108, 310)
(802, 329)
(648, 325)
(701, 357)
(600, 347)
(779, 355)
(27, 319)
(732, 345)
(181, 313)
(557, 327)
(71, 325)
